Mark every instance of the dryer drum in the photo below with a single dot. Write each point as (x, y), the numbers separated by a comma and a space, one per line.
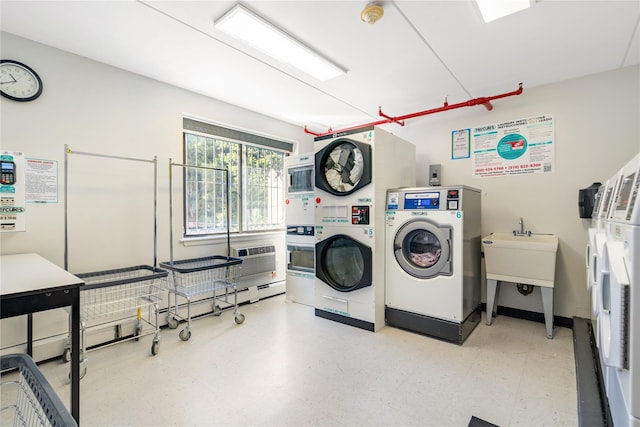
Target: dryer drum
(344, 263)
(343, 166)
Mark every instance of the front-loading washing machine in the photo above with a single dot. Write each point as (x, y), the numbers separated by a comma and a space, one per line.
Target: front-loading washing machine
(619, 316)
(597, 237)
(353, 171)
(432, 253)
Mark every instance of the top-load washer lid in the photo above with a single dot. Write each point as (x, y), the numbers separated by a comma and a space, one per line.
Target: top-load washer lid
(343, 167)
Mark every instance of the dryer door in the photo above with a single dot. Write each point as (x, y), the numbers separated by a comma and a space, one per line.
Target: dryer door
(343, 166)
(423, 248)
(343, 263)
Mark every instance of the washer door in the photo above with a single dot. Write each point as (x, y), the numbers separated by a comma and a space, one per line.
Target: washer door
(423, 248)
(614, 315)
(343, 166)
(343, 263)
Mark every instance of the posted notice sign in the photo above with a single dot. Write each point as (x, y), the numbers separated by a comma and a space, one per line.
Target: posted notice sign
(514, 147)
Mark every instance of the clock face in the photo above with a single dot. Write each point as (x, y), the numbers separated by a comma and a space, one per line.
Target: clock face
(19, 82)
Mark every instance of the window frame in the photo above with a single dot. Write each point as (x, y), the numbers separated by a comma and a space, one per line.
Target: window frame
(244, 140)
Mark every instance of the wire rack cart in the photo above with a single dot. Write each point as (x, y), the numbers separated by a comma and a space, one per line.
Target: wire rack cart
(29, 400)
(111, 296)
(200, 276)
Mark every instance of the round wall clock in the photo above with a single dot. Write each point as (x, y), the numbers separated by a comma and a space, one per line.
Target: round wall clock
(18, 81)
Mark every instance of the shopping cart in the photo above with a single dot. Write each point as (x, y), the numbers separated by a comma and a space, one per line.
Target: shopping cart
(111, 296)
(201, 276)
(29, 400)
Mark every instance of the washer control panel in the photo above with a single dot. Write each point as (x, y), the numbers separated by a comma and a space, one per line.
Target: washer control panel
(426, 198)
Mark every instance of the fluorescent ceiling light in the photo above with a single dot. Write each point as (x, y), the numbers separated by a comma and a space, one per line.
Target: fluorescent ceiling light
(494, 9)
(250, 28)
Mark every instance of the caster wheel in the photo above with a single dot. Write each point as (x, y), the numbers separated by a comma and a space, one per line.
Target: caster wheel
(217, 310)
(83, 371)
(185, 334)
(239, 318)
(66, 355)
(137, 332)
(172, 322)
(155, 347)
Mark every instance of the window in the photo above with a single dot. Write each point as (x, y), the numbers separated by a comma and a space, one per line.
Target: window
(255, 167)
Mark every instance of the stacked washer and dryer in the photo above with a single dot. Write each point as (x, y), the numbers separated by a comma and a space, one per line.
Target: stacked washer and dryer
(300, 240)
(433, 243)
(353, 171)
(616, 284)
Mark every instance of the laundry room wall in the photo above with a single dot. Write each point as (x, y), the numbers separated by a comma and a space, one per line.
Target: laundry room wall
(96, 108)
(596, 132)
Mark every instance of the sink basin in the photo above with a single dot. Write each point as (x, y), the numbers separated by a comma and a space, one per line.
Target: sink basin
(521, 259)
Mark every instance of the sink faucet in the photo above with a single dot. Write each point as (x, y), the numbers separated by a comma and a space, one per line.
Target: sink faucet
(521, 232)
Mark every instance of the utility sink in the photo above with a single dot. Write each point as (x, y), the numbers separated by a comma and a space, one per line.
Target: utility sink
(529, 259)
(521, 258)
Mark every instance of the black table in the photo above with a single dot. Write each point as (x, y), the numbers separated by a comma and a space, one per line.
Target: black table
(30, 283)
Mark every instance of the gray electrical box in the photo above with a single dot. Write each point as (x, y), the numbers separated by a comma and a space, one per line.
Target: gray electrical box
(434, 175)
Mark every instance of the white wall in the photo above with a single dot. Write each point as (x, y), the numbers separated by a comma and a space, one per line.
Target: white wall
(97, 108)
(597, 131)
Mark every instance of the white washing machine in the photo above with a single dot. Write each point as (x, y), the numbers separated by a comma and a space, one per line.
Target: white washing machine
(300, 240)
(595, 246)
(353, 170)
(432, 254)
(619, 316)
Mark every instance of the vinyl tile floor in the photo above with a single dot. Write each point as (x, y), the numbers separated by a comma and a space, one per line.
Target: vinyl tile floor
(285, 367)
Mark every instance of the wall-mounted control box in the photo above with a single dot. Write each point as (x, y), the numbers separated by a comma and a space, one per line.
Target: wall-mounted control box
(435, 171)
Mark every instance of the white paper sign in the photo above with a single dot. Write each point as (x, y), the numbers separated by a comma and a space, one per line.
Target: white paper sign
(42, 181)
(515, 147)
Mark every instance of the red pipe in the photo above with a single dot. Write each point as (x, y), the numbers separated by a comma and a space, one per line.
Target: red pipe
(486, 101)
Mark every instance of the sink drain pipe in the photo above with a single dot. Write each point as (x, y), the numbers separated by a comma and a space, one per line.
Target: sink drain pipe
(485, 101)
(524, 288)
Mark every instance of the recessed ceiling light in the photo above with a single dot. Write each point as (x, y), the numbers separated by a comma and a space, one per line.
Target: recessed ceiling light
(495, 9)
(245, 25)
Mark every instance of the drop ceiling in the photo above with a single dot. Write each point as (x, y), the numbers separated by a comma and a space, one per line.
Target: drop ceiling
(419, 54)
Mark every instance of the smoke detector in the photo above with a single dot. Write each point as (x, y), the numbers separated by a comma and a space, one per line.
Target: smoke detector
(372, 13)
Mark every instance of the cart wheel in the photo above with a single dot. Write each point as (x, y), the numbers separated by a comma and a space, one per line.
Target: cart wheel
(172, 322)
(66, 355)
(239, 318)
(185, 334)
(155, 347)
(138, 331)
(83, 371)
(217, 310)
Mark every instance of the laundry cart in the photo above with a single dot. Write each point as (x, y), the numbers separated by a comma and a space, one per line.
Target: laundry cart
(112, 296)
(116, 298)
(201, 276)
(27, 397)
(214, 275)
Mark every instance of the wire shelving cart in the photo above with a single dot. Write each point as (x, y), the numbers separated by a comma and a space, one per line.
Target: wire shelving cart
(29, 399)
(112, 296)
(201, 276)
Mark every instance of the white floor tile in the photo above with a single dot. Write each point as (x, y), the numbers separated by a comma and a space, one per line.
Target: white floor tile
(284, 366)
